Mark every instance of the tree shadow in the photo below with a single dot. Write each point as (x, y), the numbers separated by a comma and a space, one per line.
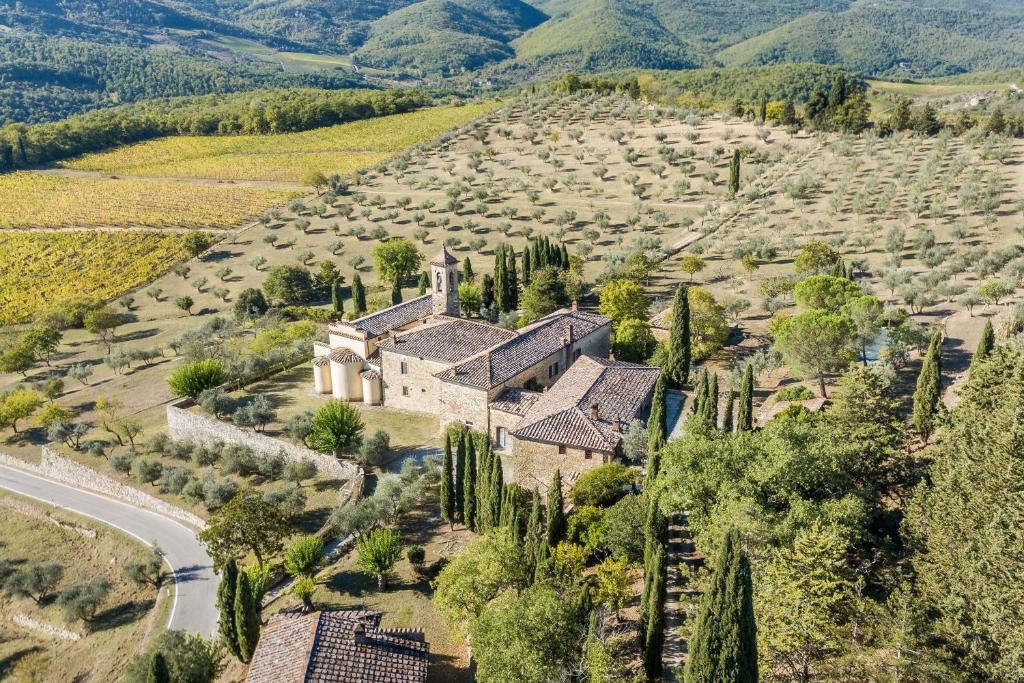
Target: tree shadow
(352, 582)
(121, 615)
(8, 663)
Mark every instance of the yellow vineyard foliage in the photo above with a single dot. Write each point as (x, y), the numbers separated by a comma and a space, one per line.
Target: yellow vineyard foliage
(39, 269)
(41, 200)
(282, 157)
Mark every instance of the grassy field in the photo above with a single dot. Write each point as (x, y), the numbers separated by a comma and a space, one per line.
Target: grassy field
(53, 201)
(939, 89)
(129, 619)
(284, 157)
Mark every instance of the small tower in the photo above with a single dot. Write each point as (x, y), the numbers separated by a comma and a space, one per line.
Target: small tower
(444, 283)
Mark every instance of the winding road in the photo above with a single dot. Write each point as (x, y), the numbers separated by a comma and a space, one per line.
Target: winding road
(195, 595)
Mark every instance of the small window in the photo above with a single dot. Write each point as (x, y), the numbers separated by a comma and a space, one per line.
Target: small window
(405, 391)
(501, 437)
(561, 450)
(587, 455)
(403, 368)
(556, 367)
(577, 353)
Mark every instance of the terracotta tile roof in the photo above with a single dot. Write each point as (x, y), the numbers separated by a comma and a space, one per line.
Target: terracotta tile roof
(322, 647)
(443, 258)
(515, 401)
(530, 346)
(342, 355)
(563, 414)
(450, 340)
(385, 320)
(321, 361)
(370, 374)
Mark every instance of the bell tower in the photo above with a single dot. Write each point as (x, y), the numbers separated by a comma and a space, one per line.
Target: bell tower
(444, 283)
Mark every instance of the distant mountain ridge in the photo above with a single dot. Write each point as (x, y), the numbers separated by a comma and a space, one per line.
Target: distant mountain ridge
(171, 47)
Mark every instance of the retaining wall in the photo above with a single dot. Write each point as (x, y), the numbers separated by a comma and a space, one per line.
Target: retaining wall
(55, 466)
(184, 425)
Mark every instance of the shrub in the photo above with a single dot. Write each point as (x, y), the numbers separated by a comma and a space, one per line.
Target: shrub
(195, 377)
(159, 443)
(416, 555)
(290, 501)
(146, 470)
(302, 557)
(216, 494)
(602, 485)
(122, 462)
(797, 393)
(174, 479)
(270, 466)
(298, 471)
(238, 459)
(624, 527)
(375, 448)
(215, 401)
(587, 528)
(189, 658)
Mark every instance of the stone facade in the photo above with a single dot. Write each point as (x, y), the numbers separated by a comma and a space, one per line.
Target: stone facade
(184, 425)
(409, 382)
(535, 463)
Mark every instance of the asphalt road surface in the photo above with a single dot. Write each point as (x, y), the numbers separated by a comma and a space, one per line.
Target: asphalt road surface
(194, 607)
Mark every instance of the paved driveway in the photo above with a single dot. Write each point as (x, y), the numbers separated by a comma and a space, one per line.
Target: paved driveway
(194, 607)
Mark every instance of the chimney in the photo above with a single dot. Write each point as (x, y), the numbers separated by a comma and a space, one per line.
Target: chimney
(359, 634)
(575, 305)
(593, 412)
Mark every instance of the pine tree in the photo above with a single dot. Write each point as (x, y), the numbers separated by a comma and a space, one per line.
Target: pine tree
(469, 510)
(723, 647)
(447, 484)
(247, 617)
(556, 511)
(424, 282)
(336, 300)
(985, 345)
(158, 671)
(460, 476)
(358, 294)
(656, 420)
(745, 419)
(734, 172)
(677, 366)
(730, 407)
(226, 607)
(928, 393)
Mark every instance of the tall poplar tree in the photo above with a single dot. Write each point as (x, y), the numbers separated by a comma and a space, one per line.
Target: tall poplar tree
(985, 345)
(247, 617)
(226, 607)
(460, 476)
(556, 511)
(723, 647)
(656, 436)
(745, 418)
(677, 365)
(928, 393)
(448, 483)
(469, 509)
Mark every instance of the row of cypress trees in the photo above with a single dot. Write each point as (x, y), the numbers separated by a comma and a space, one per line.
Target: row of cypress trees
(473, 490)
(655, 591)
(506, 278)
(706, 402)
(239, 607)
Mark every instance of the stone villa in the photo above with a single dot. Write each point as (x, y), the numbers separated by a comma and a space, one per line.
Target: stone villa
(546, 394)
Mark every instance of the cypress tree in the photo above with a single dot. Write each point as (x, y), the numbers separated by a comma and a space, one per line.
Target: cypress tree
(928, 393)
(537, 261)
(487, 291)
(513, 280)
(724, 642)
(336, 299)
(500, 288)
(460, 476)
(711, 402)
(556, 511)
(396, 293)
(447, 484)
(745, 418)
(483, 475)
(158, 671)
(527, 267)
(247, 617)
(564, 257)
(534, 529)
(542, 565)
(700, 396)
(467, 270)
(226, 607)
(654, 633)
(734, 172)
(497, 485)
(423, 283)
(469, 510)
(762, 110)
(730, 406)
(985, 344)
(358, 294)
(677, 365)
(656, 420)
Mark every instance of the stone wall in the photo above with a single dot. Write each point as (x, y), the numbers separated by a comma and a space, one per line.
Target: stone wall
(467, 405)
(534, 463)
(55, 466)
(184, 425)
(423, 389)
